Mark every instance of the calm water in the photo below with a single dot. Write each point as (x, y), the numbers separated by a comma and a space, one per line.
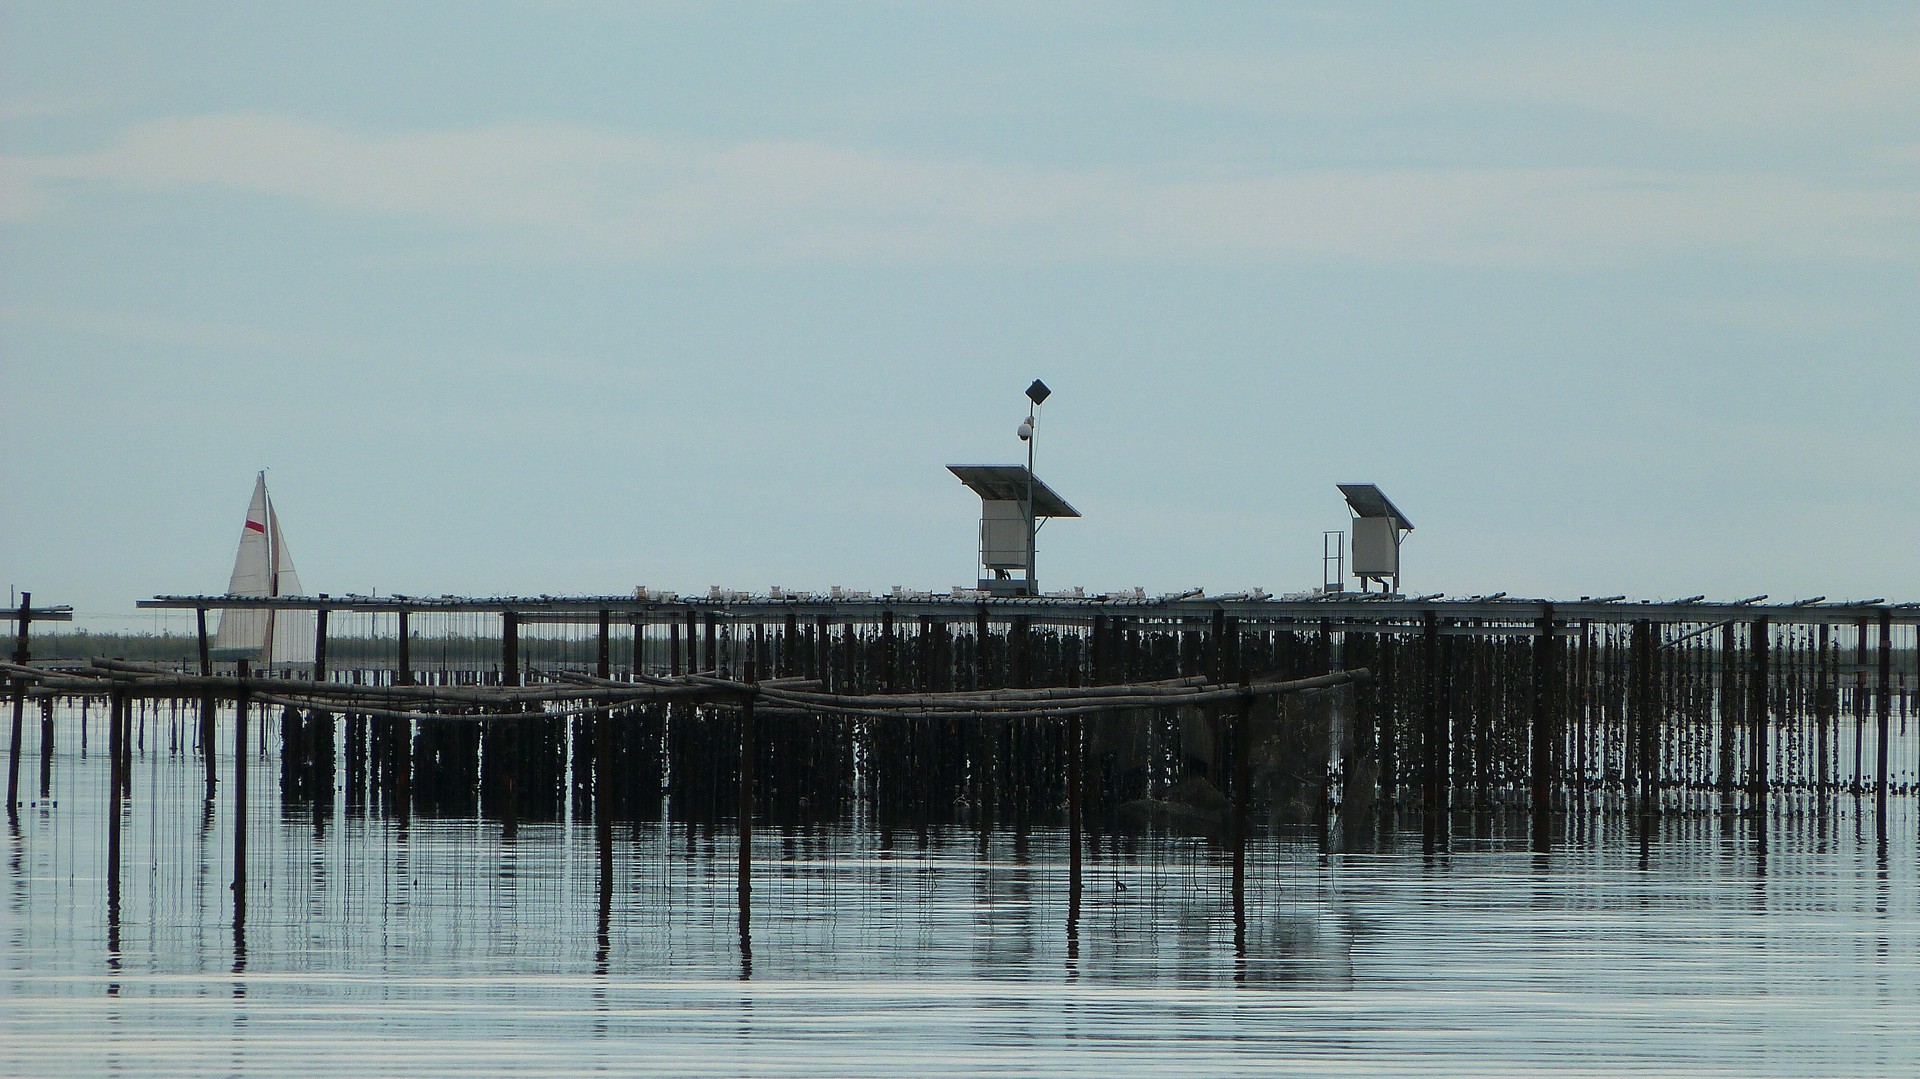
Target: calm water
(373, 947)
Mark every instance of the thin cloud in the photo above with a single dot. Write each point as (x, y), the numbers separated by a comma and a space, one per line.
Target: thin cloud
(1775, 79)
(576, 192)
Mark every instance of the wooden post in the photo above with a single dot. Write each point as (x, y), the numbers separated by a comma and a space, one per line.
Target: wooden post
(789, 645)
(1546, 671)
(887, 652)
(1652, 718)
(1074, 842)
(116, 738)
(123, 720)
(1860, 707)
(981, 736)
(1884, 714)
(1729, 707)
(603, 667)
(710, 661)
(940, 653)
(1432, 729)
(320, 645)
(603, 810)
(20, 656)
(747, 743)
(1075, 834)
(925, 653)
(1584, 706)
(509, 648)
(207, 701)
(1758, 713)
(46, 748)
(1386, 660)
(403, 663)
(1242, 784)
(241, 702)
(1823, 688)
(1020, 659)
(673, 647)
(982, 653)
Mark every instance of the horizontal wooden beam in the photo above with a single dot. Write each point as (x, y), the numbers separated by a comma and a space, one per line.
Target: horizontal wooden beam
(1340, 609)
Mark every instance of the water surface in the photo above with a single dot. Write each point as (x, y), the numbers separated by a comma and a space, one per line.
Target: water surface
(372, 946)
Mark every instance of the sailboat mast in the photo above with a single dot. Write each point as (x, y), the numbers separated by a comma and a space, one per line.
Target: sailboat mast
(273, 570)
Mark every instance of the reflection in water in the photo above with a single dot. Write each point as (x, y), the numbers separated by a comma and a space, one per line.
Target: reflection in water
(419, 947)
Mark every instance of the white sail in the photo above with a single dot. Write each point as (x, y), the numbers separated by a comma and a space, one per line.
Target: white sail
(263, 566)
(292, 632)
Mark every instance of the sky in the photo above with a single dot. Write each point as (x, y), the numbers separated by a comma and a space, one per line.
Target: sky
(568, 298)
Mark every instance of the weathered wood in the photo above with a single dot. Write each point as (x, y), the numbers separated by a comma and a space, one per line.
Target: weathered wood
(748, 747)
(982, 655)
(1242, 784)
(1731, 705)
(1433, 749)
(509, 648)
(1883, 699)
(208, 702)
(1075, 750)
(1823, 712)
(116, 746)
(22, 657)
(1545, 726)
(320, 645)
(1759, 712)
(1860, 706)
(404, 659)
(242, 701)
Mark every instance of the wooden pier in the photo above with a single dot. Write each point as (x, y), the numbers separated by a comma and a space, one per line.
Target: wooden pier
(903, 700)
(1223, 717)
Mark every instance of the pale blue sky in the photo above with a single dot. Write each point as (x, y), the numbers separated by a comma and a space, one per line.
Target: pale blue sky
(568, 297)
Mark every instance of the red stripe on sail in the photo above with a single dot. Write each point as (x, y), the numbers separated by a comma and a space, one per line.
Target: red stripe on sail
(256, 526)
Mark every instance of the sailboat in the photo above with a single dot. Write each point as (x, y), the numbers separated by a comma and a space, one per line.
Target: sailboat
(264, 567)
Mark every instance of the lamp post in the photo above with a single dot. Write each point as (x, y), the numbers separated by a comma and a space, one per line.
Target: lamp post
(1036, 394)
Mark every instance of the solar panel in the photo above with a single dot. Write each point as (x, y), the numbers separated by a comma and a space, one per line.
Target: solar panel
(1008, 483)
(1368, 501)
